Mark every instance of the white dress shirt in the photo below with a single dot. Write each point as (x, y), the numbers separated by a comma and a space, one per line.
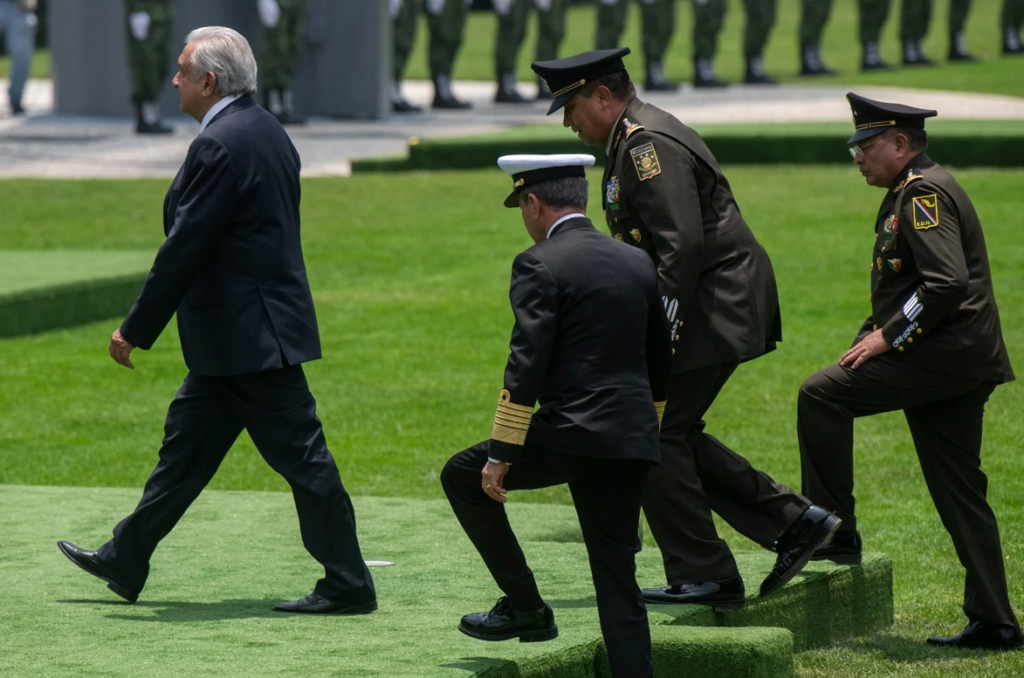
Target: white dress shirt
(215, 109)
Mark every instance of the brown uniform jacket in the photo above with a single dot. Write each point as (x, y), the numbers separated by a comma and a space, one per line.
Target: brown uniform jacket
(665, 193)
(931, 288)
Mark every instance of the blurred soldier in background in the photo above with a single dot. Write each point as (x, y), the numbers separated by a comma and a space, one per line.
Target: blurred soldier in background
(760, 19)
(914, 20)
(403, 35)
(18, 21)
(446, 20)
(550, 31)
(873, 14)
(659, 22)
(281, 33)
(149, 51)
(812, 24)
(1013, 18)
(708, 17)
(512, 18)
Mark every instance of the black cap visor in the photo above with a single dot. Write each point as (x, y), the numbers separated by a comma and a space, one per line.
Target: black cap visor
(539, 176)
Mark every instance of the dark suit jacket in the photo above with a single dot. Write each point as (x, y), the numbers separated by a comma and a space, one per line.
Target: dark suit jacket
(931, 287)
(665, 193)
(232, 264)
(590, 343)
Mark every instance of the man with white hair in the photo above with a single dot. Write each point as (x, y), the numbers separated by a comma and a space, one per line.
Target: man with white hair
(232, 268)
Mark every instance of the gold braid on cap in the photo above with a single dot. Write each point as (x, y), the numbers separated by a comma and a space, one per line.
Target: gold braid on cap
(660, 409)
(569, 88)
(875, 125)
(511, 421)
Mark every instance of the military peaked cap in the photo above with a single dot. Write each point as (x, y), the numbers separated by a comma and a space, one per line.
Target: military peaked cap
(566, 76)
(530, 170)
(874, 117)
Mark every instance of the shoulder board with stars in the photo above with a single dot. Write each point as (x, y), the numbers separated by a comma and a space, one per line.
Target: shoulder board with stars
(631, 127)
(912, 177)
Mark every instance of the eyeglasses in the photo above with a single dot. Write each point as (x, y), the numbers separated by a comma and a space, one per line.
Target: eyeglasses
(857, 149)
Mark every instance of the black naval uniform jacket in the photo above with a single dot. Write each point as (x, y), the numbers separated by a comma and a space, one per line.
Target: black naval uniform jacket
(232, 264)
(590, 344)
(665, 193)
(931, 288)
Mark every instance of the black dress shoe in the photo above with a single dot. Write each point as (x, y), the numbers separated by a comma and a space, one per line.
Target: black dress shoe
(721, 594)
(443, 97)
(980, 636)
(844, 548)
(88, 561)
(796, 546)
(759, 79)
(962, 57)
(656, 80)
(314, 603)
(504, 622)
(816, 69)
(17, 109)
(878, 65)
(709, 83)
(403, 106)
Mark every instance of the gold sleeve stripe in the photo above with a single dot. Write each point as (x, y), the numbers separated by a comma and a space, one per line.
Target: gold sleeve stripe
(660, 409)
(511, 421)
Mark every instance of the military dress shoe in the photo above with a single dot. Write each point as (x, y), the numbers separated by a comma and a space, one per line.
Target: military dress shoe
(720, 594)
(981, 636)
(314, 603)
(504, 622)
(656, 80)
(843, 548)
(88, 561)
(796, 546)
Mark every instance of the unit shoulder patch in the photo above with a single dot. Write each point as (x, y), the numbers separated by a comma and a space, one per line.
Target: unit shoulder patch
(926, 212)
(645, 158)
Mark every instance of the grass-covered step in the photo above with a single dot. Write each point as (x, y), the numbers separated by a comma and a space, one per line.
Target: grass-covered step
(43, 290)
(207, 607)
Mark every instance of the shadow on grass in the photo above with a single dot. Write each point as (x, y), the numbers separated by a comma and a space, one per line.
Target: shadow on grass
(907, 651)
(477, 664)
(180, 611)
(577, 604)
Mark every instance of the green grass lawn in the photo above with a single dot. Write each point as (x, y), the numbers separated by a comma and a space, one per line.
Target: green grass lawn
(840, 45)
(411, 293)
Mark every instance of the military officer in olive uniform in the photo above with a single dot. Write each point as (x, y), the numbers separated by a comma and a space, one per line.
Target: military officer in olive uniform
(446, 20)
(659, 23)
(813, 17)
(403, 36)
(872, 17)
(512, 18)
(760, 20)
(550, 32)
(665, 194)
(915, 17)
(1012, 20)
(931, 347)
(149, 53)
(281, 23)
(708, 19)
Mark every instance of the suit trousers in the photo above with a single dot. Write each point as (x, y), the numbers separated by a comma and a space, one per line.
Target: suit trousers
(699, 474)
(606, 493)
(203, 421)
(945, 417)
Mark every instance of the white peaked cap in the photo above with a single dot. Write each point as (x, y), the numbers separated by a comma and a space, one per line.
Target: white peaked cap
(529, 170)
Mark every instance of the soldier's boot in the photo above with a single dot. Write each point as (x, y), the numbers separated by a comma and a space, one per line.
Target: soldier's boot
(543, 91)
(913, 55)
(279, 103)
(1012, 43)
(17, 108)
(147, 117)
(656, 80)
(443, 97)
(398, 102)
(811, 63)
(704, 74)
(871, 59)
(958, 50)
(507, 93)
(756, 74)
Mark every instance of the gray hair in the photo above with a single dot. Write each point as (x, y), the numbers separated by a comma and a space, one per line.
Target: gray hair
(559, 193)
(225, 53)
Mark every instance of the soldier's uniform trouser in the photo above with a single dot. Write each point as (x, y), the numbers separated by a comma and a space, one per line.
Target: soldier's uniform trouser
(812, 21)
(760, 19)
(873, 14)
(916, 15)
(658, 18)
(148, 58)
(512, 18)
(446, 20)
(1013, 15)
(708, 19)
(550, 27)
(19, 29)
(698, 474)
(945, 418)
(403, 33)
(281, 45)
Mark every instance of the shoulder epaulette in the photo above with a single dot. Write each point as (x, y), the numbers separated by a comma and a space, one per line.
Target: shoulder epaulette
(631, 127)
(912, 177)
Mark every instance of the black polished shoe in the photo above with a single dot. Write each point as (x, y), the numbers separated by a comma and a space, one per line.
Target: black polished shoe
(721, 594)
(88, 561)
(443, 97)
(796, 546)
(963, 57)
(878, 65)
(314, 603)
(981, 636)
(656, 80)
(913, 55)
(507, 92)
(403, 106)
(17, 109)
(844, 548)
(504, 622)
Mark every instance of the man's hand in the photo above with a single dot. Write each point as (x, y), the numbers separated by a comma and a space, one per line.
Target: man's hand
(121, 350)
(493, 476)
(868, 347)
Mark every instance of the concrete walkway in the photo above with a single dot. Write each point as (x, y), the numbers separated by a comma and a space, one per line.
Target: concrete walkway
(42, 144)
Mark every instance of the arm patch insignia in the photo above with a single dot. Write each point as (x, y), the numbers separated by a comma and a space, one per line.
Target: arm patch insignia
(926, 212)
(645, 158)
